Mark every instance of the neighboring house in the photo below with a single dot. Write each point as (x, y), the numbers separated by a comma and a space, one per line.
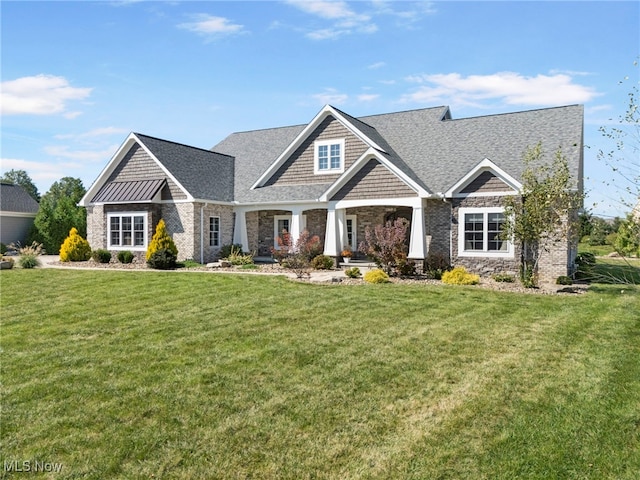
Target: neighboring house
(335, 176)
(17, 212)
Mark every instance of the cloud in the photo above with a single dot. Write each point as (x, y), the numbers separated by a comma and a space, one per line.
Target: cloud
(63, 151)
(96, 132)
(331, 96)
(375, 66)
(212, 26)
(344, 21)
(509, 87)
(38, 171)
(368, 97)
(39, 95)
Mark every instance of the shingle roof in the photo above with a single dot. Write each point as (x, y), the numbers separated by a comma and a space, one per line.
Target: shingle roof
(14, 198)
(425, 144)
(205, 174)
(135, 191)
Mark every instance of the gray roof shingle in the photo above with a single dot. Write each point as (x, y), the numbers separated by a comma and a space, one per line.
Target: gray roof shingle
(426, 144)
(205, 174)
(14, 198)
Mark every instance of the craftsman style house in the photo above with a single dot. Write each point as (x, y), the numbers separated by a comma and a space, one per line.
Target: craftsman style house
(335, 176)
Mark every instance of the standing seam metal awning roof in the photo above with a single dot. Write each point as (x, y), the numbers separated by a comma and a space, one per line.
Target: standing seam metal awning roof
(134, 191)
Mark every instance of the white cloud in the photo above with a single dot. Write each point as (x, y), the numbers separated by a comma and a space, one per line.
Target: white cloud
(331, 96)
(368, 97)
(39, 95)
(212, 26)
(375, 66)
(509, 87)
(96, 132)
(345, 21)
(38, 171)
(63, 151)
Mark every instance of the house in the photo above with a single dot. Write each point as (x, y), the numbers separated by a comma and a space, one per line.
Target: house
(17, 213)
(335, 176)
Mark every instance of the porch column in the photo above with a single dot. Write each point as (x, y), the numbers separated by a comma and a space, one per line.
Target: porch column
(296, 227)
(417, 240)
(240, 230)
(335, 232)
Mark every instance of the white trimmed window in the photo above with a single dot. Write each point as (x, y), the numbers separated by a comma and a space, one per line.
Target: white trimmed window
(352, 232)
(214, 231)
(280, 223)
(329, 156)
(127, 230)
(479, 233)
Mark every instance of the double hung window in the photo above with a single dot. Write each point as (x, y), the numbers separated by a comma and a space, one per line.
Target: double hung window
(480, 233)
(214, 231)
(329, 156)
(127, 230)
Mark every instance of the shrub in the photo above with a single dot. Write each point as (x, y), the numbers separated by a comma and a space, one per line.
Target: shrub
(125, 256)
(236, 257)
(28, 255)
(162, 259)
(564, 280)
(353, 272)
(75, 248)
(299, 263)
(161, 241)
(377, 275)
(386, 245)
(3, 248)
(101, 255)
(503, 277)
(460, 276)
(226, 250)
(436, 264)
(585, 263)
(322, 262)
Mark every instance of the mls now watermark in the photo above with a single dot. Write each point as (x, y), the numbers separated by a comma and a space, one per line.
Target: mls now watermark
(32, 466)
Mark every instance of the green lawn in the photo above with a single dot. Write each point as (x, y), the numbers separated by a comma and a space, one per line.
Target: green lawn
(204, 376)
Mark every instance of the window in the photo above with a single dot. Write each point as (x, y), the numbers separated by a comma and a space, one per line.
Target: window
(214, 231)
(329, 156)
(352, 232)
(480, 231)
(127, 230)
(283, 222)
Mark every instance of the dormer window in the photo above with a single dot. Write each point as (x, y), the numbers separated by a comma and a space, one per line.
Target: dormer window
(329, 156)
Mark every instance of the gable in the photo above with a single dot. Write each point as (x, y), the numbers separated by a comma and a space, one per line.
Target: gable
(137, 165)
(486, 182)
(373, 180)
(299, 167)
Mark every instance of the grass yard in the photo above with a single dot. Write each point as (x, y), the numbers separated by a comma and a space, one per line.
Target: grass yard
(206, 376)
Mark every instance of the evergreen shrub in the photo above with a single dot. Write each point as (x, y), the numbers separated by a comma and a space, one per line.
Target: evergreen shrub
(125, 256)
(161, 241)
(322, 262)
(460, 276)
(353, 272)
(162, 259)
(75, 248)
(101, 255)
(377, 275)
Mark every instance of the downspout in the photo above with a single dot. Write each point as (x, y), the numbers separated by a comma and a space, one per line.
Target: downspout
(202, 233)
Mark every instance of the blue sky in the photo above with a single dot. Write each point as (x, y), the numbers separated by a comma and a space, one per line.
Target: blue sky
(77, 77)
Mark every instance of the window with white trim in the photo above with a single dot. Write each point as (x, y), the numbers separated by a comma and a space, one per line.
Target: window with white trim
(214, 231)
(352, 232)
(329, 156)
(480, 233)
(127, 230)
(280, 223)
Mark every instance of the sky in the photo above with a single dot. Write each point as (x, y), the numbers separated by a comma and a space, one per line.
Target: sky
(77, 77)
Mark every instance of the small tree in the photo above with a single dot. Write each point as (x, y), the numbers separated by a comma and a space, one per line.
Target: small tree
(544, 214)
(161, 241)
(386, 246)
(75, 248)
(627, 241)
(22, 178)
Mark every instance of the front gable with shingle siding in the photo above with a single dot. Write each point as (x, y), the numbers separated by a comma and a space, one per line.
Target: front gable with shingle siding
(300, 167)
(373, 180)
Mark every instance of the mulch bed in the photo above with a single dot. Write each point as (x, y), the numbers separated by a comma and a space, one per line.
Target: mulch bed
(485, 282)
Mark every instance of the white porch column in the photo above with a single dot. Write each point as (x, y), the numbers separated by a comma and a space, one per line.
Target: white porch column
(296, 226)
(418, 240)
(240, 230)
(336, 231)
